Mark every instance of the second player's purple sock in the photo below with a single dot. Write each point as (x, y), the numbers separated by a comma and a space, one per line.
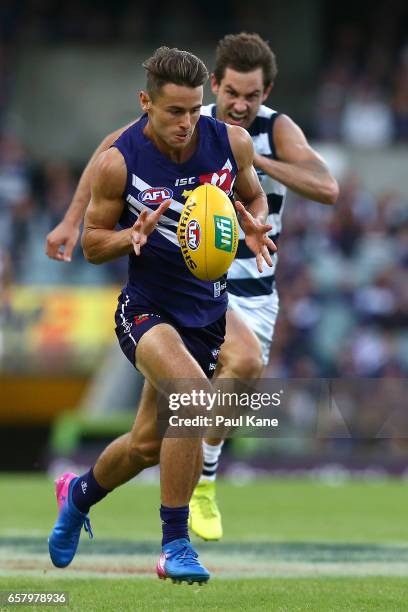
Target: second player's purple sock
(87, 492)
(174, 523)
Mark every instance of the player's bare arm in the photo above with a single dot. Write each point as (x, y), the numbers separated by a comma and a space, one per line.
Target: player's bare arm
(100, 240)
(300, 167)
(61, 241)
(254, 206)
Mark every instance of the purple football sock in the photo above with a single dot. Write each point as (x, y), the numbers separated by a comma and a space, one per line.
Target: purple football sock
(174, 523)
(87, 492)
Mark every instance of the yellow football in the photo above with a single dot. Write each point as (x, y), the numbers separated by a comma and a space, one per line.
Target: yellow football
(208, 232)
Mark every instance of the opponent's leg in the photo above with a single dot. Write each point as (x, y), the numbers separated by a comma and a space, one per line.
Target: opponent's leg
(198, 469)
(234, 363)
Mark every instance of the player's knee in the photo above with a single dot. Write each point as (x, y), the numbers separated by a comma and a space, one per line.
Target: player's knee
(146, 452)
(247, 365)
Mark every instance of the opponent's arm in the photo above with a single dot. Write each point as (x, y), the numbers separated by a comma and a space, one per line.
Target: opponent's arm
(299, 167)
(247, 186)
(66, 233)
(100, 241)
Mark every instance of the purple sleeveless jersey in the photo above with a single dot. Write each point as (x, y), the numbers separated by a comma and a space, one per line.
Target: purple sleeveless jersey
(159, 277)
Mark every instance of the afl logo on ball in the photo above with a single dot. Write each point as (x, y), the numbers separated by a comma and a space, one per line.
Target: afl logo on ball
(155, 195)
(193, 234)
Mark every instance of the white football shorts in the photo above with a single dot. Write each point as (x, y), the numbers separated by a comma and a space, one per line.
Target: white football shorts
(260, 314)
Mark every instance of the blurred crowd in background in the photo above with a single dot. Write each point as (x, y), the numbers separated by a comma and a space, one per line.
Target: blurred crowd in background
(342, 272)
(342, 279)
(341, 275)
(361, 81)
(362, 93)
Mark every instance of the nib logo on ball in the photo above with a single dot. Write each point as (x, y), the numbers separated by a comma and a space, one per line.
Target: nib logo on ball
(223, 233)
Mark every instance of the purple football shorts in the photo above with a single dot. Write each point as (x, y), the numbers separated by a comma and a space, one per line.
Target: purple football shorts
(132, 321)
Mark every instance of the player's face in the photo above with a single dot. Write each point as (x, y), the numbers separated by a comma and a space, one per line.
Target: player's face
(239, 96)
(174, 113)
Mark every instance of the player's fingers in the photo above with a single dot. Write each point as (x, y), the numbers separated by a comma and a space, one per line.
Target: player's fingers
(241, 208)
(52, 253)
(143, 216)
(259, 262)
(270, 244)
(136, 242)
(159, 210)
(138, 238)
(137, 226)
(267, 256)
(140, 220)
(155, 216)
(149, 222)
(69, 247)
(58, 255)
(55, 253)
(51, 247)
(163, 206)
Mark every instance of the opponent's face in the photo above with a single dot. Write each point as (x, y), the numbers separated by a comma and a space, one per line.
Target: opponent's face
(239, 96)
(173, 114)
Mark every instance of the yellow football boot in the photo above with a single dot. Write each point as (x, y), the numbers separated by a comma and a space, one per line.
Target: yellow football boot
(205, 518)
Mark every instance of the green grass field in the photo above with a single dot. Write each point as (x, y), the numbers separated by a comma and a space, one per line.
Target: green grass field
(288, 546)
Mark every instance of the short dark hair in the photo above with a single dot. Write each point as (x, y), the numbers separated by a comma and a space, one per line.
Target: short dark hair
(245, 52)
(173, 66)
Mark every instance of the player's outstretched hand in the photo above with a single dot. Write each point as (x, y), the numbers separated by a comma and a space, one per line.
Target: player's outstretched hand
(145, 224)
(60, 242)
(256, 237)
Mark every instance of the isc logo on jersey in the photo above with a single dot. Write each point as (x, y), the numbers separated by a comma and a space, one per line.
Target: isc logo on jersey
(155, 195)
(208, 232)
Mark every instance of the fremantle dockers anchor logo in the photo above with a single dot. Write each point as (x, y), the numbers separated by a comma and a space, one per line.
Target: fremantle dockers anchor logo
(222, 179)
(193, 234)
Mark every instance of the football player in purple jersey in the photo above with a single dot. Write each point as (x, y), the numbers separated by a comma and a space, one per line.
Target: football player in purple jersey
(169, 324)
(244, 74)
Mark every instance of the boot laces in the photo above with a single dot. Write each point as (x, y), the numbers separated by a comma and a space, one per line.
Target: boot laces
(188, 556)
(88, 528)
